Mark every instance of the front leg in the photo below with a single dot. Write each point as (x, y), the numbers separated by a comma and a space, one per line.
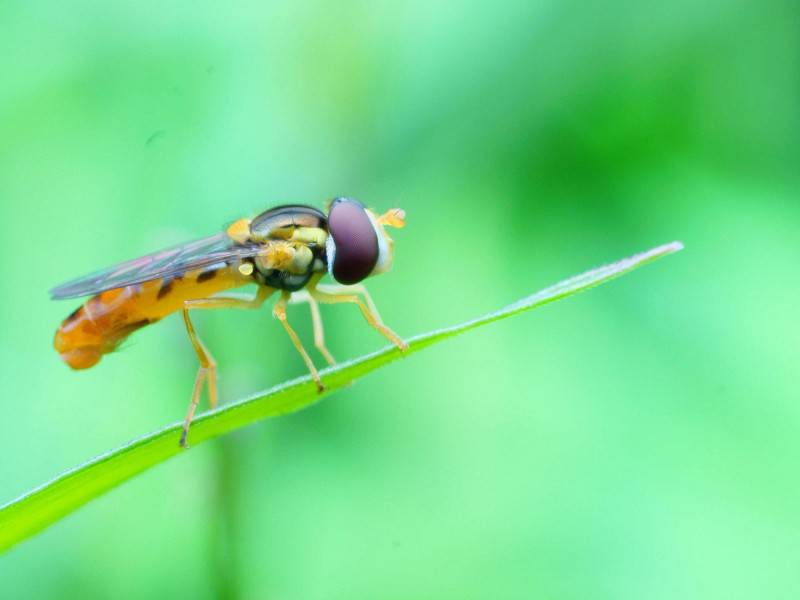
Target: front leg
(357, 289)
(340, 295)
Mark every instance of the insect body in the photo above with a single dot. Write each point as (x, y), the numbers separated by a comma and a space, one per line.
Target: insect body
(285, 250)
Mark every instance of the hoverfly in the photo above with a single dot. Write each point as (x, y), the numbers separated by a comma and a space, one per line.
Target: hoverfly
(286, 250)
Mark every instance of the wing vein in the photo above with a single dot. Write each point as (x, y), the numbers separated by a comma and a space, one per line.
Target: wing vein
(172, 262)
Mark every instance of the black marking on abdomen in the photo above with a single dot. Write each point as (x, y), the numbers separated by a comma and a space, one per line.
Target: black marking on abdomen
(166, 287)
(73, 315)
(129, 328)
(207, 276)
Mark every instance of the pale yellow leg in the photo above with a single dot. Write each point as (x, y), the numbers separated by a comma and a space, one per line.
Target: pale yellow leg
(208, 366)
(358, 289)
(280, 313)
(206, 372)
(371, 316)
(316, 321)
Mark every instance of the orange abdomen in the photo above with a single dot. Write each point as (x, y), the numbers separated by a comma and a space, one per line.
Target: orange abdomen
(106, 320)
(98, 327)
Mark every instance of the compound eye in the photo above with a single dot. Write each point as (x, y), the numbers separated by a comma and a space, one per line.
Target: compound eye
(355, 240)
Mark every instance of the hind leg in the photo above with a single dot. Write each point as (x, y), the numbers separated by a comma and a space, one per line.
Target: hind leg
(207, 372)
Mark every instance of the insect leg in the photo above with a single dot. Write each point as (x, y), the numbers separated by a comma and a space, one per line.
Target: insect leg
(316, 320)
(319, 331)
(280, 313)
(207, 371)
(338, 290)
(327, 297)
(207, 366)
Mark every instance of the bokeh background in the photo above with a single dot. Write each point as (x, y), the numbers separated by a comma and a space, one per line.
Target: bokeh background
(639, 441)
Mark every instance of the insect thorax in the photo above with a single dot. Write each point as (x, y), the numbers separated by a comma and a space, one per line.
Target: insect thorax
(294, 238)
(275, 270)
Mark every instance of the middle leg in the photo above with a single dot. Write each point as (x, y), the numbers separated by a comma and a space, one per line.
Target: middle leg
(280, 313)
(316, 321)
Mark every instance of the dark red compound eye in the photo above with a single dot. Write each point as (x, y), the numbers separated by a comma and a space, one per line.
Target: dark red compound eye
(356, 241)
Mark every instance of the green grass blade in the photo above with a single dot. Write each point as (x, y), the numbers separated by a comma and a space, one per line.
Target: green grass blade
(47, 504)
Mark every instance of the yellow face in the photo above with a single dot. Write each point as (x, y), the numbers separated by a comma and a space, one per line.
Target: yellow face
(395, 217)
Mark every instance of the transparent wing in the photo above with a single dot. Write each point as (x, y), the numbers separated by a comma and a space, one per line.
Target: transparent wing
(206, 252)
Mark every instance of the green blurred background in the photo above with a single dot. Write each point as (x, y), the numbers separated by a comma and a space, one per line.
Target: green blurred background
(639, 441)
